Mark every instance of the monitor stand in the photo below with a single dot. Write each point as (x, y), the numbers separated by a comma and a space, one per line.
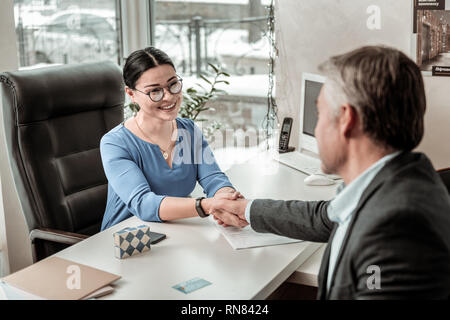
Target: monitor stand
(305, 163)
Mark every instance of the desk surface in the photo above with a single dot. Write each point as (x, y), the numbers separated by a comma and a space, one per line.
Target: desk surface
(283, 183)
(194, 248)
(307, 273)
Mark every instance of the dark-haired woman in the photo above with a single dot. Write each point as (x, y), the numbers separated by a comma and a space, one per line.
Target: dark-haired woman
(154, 159)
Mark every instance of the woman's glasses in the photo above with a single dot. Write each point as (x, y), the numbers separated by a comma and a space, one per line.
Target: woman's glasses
(157, 94)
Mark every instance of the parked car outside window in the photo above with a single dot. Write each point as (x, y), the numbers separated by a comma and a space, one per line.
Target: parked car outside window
(77, 36)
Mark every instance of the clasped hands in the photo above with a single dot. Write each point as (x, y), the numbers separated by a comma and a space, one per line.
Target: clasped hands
(228, 208)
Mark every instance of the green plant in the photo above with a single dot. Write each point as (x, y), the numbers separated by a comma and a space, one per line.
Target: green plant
(195, 100)
(209, 131)
(134, 107)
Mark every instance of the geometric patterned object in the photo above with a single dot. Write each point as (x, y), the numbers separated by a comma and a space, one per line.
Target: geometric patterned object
(131, 241)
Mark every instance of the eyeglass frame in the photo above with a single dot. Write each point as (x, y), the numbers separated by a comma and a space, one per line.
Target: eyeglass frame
(162, 97)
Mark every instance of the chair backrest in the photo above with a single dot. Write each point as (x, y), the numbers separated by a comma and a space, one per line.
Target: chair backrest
(445, 176)
(54, 119)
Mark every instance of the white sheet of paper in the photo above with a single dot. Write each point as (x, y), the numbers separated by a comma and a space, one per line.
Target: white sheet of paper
(248, 238)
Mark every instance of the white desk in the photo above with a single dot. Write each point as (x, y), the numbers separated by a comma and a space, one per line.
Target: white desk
(283, 183)
(307, 273)
(194, 248)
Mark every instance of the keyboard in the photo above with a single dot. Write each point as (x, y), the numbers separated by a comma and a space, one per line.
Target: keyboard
(304, 163)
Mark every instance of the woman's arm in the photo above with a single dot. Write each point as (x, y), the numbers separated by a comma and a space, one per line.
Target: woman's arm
(128, 181)
(173, 208)
(130, 184)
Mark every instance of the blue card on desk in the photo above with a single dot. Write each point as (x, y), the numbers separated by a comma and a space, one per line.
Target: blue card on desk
(191, 285)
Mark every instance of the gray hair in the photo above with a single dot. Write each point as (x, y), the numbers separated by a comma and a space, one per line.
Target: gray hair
(385, 88)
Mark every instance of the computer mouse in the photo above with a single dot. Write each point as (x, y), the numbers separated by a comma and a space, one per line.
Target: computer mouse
(318, 180)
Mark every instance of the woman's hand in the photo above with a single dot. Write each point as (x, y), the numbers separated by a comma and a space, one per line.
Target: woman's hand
(233, 195)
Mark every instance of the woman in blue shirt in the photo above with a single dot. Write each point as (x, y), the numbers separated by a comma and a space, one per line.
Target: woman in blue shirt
(154, 159)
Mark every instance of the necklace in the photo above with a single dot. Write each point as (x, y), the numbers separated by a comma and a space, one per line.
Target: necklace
(164, 152)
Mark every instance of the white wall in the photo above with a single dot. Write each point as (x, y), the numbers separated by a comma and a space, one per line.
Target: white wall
(309, 31)
(13, 232)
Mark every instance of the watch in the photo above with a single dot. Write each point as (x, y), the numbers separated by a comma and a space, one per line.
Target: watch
(199, 208)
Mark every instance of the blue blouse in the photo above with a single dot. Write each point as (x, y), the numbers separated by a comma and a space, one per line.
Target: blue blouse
(139, 177)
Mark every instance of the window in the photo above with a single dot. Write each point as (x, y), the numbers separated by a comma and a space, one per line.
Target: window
(57, 31)
(232, 35)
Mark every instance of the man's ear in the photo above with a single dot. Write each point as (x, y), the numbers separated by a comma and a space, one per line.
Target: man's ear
(348, 120)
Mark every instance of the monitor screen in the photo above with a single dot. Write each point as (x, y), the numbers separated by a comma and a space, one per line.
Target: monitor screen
(312, 90)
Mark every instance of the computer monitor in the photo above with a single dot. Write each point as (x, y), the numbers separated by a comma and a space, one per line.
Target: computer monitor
(311, 85)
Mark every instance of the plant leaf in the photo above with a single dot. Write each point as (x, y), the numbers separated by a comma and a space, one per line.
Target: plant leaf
(219, 91)
(204, 78)
(198, 84)
(214, 67)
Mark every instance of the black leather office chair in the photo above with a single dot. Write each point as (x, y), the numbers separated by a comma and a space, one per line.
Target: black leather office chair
(445, 176)
(54, 119)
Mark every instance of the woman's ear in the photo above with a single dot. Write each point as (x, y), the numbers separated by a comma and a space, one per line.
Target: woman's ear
(129, 92)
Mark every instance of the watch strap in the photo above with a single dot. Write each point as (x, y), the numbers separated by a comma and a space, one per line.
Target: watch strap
(199, 208)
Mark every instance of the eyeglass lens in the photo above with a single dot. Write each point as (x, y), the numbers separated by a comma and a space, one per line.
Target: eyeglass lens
(174, 87)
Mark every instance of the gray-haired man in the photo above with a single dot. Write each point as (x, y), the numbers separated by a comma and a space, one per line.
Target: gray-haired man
(392, 214)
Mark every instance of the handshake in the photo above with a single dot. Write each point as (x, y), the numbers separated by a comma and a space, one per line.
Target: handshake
(228, 208)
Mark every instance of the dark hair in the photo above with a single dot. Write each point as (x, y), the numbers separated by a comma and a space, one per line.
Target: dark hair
(140, 61)
(386, 88)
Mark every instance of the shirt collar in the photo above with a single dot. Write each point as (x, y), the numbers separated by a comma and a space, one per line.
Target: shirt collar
(347, 197)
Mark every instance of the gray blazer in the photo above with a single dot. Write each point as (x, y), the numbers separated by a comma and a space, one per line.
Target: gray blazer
(401, 225)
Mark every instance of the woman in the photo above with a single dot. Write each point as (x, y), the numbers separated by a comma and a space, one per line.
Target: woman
(154, 159)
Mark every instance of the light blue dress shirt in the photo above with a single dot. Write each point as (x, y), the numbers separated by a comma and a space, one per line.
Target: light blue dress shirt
(139, 177)
(341, 208)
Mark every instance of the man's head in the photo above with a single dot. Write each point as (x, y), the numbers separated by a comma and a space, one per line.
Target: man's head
(374, 92)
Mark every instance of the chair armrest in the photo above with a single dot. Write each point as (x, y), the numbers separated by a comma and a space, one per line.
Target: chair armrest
(56, 236)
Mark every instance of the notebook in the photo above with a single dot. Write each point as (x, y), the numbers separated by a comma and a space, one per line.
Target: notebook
(59, 279)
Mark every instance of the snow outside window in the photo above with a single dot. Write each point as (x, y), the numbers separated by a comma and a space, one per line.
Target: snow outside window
(62, 31)
(230, 34)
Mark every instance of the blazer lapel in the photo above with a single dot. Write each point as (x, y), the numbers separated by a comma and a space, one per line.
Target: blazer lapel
(323, 272)
(365, 196)
(387, 171)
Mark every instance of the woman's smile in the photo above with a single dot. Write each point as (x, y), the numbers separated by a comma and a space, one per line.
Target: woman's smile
(168, 108)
